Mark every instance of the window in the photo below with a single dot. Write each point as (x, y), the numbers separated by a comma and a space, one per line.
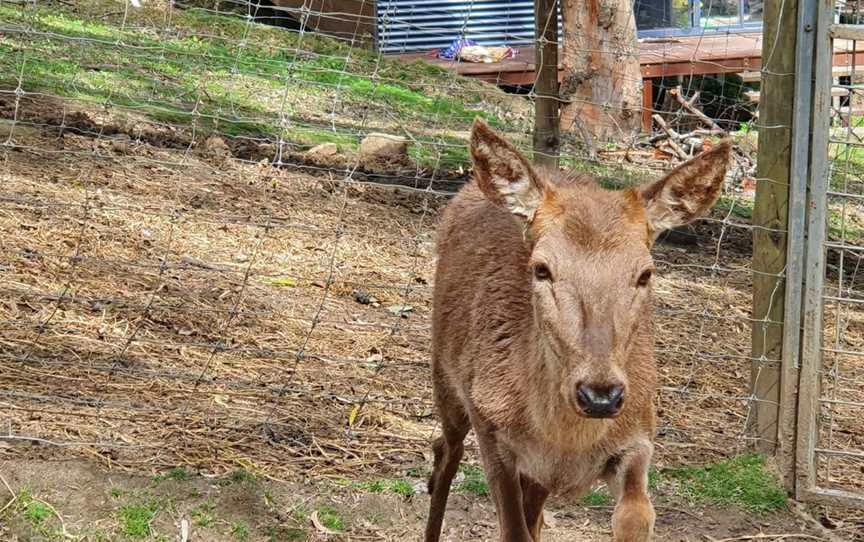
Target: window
(673, 17)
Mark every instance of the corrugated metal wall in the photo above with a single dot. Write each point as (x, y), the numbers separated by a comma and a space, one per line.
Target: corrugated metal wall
(420, 25)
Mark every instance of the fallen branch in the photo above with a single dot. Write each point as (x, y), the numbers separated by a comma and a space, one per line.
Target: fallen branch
(673, 137)
(699, 132)
(690, 107)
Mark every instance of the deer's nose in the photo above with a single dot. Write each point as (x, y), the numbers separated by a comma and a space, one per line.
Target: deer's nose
(603, 401)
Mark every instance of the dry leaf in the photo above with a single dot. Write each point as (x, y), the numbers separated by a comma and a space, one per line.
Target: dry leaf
(320, 526)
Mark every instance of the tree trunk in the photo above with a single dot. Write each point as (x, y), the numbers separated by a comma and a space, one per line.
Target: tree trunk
(602, 82)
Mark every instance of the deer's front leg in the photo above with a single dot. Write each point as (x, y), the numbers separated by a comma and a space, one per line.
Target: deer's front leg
(633, 519)
(505, 486)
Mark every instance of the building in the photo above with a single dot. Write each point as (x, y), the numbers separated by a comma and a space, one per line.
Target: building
(409, 26)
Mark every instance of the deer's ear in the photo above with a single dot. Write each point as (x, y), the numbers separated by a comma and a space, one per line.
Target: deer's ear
(688, 191)
(504, 176)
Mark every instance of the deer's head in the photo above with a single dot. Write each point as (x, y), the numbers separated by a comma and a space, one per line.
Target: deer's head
(590, 267)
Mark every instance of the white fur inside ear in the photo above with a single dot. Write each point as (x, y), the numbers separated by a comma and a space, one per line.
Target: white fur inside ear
(520, 197)
(665, 212)
(518, 193)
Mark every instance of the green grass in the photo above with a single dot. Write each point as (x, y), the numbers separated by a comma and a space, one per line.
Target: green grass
(198, 73)
(474, 482)
(331, 518)
(135, 520)
(397, 487)
(743, 481)
(597, 497)
(742, 208)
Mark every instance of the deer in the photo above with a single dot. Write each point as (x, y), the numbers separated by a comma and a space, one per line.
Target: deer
(542, 332)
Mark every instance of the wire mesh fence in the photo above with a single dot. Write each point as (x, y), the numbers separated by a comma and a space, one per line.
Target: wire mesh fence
(212, 257)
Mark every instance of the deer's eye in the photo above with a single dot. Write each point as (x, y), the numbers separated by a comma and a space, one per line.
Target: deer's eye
(644, 278)
(541, 272)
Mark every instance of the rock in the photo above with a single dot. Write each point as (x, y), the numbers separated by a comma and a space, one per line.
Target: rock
(400, 310)
(120, 144)
(325, 154)
(365, 298)
(216, 146)
(383, 147)
(323, 150)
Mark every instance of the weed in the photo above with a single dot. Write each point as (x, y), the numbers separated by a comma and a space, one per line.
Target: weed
(242, 475)
(742, 481)
(179, 474)
(135, 519)
(653, 479)
(419, 472)
(240, 531)
(402, 487)
(116, 492)
(474, 482)
(35, 511)
(202, 515)
(331, 518)
(597, 497)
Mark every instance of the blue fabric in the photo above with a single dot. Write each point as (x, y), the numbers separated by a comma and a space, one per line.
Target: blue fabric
(451, 52)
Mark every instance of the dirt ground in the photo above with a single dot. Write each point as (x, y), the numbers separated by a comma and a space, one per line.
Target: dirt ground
(165, 307)
(88, 500)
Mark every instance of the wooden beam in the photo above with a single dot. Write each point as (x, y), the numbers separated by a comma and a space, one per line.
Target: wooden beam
(547, 137)
(847, 32)
(770, 220)
(647, 105)
(754, 95)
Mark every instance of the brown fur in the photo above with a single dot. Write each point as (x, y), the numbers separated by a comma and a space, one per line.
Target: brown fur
(510, 350)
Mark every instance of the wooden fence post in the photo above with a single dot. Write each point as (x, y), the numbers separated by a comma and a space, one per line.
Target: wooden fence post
(771, 408)
(547, 137)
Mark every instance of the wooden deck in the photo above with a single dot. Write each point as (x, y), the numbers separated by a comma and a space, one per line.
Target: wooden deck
(697, 55)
